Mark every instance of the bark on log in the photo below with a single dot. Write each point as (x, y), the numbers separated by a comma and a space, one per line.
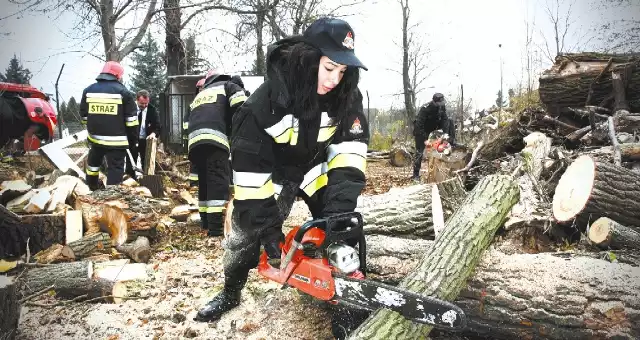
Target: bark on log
(407, 211)
(590, 189)
(570, 86)
(630, 151)
(400, 157)
(399, 212)
(139, 251)
(9, 308)
(607, 233)
(530, 296)
(443, 271)
(88, 245)
(70, 280)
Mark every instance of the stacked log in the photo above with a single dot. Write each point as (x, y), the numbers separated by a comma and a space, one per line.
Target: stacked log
(9, 308)
(578, 80)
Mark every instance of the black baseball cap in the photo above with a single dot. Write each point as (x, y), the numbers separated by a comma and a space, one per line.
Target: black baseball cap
(335, 39)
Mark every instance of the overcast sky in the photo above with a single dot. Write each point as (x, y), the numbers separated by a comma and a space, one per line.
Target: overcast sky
(462, 34)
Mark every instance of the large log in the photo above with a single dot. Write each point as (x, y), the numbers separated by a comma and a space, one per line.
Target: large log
(139, 250)
(88, 245)
(9, 308)
(443, 271)
(569, 81)
(69, 280)
(607, 233)
(530, 296)
(400, 211)
(590, 189)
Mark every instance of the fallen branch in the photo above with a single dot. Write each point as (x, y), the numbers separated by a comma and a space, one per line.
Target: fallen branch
(36, 294)
(597, 79)
(548, 118)
(474, 156)
(617, 155)
(607, 233)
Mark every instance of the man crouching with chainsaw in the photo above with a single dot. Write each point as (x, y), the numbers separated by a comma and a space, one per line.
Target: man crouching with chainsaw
(302, 133)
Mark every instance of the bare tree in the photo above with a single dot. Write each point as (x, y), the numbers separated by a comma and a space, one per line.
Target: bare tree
(622, 32)
(562, 22)
(105, 15)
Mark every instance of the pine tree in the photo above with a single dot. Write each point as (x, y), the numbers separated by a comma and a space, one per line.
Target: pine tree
(73, 111)
(15, 73)
(195, 64)
(149, 70)
(62, 112)
(501, 102)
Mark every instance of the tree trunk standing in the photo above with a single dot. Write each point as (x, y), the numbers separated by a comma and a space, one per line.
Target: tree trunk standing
(406, 81)
(590, 189)
(261, 68)
(9, 308)
(619, 80)
(443, 271)
(108, 29)
(174, 46)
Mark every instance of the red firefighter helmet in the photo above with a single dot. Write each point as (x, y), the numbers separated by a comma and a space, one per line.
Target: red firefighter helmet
(212, 72)
(200, 84)
(40, 111)
(114, 68)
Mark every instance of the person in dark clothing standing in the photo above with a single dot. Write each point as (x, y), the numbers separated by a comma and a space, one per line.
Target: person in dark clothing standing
(302, 133)
(110, 112)
(209, 126)
(149, 128)
(431, 117)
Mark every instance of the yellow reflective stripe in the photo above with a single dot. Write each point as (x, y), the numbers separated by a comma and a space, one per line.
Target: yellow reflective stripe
(133, 123)
(237, 100)
(326, 132)
(348, 160)
(205, 136)
(294, 138)
(316, 185)
(92, 173)
(104, 100)
(185, 125)
(285, 137)
(207, 96)
(210, 210)
(193, 177)
(108, 143)
(249, 193)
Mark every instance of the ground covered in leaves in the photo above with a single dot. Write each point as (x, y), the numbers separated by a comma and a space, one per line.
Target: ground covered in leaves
(184, 273)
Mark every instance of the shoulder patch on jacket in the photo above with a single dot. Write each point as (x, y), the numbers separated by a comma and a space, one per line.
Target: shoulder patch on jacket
(356, 127)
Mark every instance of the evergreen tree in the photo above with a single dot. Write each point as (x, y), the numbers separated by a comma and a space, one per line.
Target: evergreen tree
(149, 70)
(15, 73)
(73, 111)
(501, 102)
(195, 64)
(63, 111)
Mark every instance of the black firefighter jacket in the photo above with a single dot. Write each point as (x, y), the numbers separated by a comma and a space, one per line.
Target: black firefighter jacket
(431, 117)
(110, 112)
(209, 120)
(270, 145)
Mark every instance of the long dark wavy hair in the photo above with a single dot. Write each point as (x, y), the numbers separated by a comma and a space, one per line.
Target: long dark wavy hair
(298, 64)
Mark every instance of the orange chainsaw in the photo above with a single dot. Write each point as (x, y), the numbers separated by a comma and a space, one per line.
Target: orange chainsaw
(320, 258)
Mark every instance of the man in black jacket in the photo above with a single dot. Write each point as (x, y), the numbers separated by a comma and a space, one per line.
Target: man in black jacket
(149, 128)
(431, 117)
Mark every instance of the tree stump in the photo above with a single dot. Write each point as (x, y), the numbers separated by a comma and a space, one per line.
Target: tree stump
(443, 271)
(590, 189)
(607, 233)
(400, 157)
(139, 251)
(442, 167)
(9, 308)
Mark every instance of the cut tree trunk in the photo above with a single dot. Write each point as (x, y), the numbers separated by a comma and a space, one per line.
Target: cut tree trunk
(630, 151)
(154, 184)
(503, 299)
(398, 212)
(9, 308)
(407, 211)
(400, 157)
(69, 280)
(88, 245)
(139, 251)
(442, 167)
(149, 166)
(607, 233)
(443, 271)
(590, 189)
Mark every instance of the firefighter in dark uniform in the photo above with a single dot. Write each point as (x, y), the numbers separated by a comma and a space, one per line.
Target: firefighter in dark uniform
(193, 171)
(431, 117)
(110, 112)
(209, 126)
(302, 133)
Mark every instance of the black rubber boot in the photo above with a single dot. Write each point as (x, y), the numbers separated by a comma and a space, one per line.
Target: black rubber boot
(203, 220)
(225, 301)
(215, 225)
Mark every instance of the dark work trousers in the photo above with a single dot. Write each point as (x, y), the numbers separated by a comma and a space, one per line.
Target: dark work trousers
(139, 150)
(193, 175)
(242, 251)
(214, 172)
(115, 165)
(417, 162)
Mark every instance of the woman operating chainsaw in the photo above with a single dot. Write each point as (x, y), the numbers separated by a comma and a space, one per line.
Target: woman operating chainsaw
(302, 133)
